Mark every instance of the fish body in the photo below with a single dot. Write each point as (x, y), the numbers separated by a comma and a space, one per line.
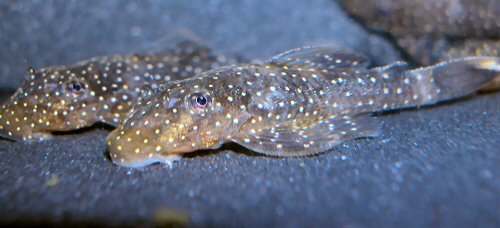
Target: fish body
(434, 30)
(299, 103)
(101, 89)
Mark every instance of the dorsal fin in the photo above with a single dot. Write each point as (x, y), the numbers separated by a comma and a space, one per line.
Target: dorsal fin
(321, 58)
(392, 70)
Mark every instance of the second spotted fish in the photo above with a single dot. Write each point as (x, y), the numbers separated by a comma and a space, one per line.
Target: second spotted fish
(101, 89)
(301, 102)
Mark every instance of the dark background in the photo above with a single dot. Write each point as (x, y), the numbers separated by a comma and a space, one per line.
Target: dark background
(436, 166)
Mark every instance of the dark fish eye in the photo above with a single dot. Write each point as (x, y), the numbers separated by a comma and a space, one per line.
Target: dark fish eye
(200, 100)
(76, 87)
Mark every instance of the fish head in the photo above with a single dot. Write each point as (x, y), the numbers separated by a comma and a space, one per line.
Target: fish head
(47, 101)
(179, 117)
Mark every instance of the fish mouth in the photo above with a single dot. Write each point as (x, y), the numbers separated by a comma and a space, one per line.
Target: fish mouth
(168, 160)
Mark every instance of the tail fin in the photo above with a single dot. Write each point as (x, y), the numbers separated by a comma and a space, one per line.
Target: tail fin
(455, 78)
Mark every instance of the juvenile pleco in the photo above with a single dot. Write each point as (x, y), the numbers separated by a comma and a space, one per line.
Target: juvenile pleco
(301, 102)
(101, 89)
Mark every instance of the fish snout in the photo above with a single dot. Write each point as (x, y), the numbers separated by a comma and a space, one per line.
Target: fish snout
(132, 149)
(22, 122)
(6, 133)
(12, 125)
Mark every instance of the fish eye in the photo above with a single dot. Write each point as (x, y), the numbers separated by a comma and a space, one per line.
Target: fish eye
(76, 87)
(200, 100)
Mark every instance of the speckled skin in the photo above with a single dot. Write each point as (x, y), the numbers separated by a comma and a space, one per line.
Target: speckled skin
(299, 103)
(434, 30)
(101, 89)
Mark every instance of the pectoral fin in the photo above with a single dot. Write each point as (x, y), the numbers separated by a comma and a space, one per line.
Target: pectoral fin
(293, 140)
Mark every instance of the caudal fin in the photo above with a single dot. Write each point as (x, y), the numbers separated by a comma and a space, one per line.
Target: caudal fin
(455, 78)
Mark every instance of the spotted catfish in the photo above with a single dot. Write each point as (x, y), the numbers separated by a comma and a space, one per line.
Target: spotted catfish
(101, 89)
(301, 102)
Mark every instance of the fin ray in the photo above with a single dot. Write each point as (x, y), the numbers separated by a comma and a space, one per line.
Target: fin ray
(456, 78)
(296, 140)
(321, 58)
